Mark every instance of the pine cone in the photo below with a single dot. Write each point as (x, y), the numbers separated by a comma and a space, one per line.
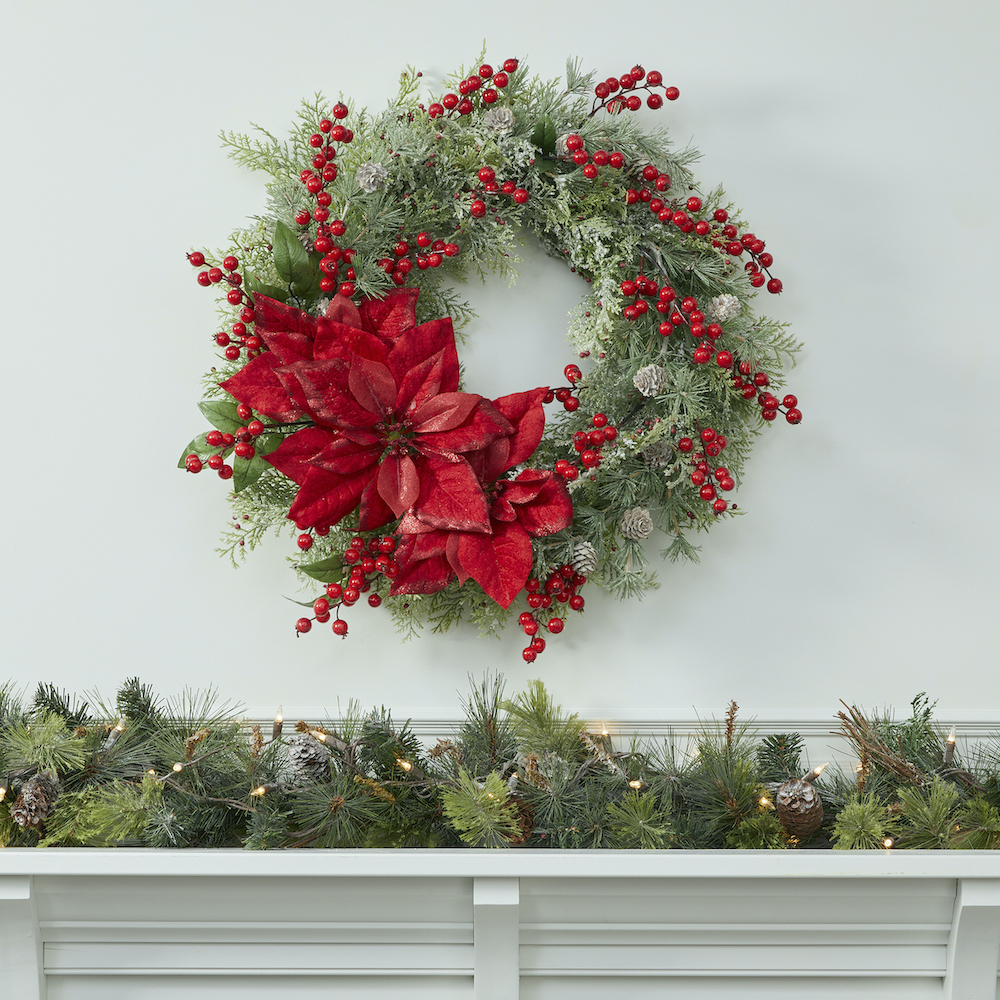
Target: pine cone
(307, 241)
(584, 558)
(800, 809)
(636, 524)
(659, 454)
(722, 307)
(499, 121)
(308, 759)
(650, 380)
(37, 800)
(370, 177)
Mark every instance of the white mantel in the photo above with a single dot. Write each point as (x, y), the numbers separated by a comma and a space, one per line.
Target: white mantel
(495, 925)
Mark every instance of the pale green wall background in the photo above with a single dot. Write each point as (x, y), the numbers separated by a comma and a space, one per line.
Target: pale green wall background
(860, 137)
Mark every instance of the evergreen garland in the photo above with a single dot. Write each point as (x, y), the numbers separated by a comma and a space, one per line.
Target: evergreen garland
(518, 772)
(365, 208)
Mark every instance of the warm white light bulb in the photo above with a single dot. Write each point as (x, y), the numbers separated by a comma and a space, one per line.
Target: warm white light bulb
(887, 842)
(404, 764)
(635, 784)
(178, 767)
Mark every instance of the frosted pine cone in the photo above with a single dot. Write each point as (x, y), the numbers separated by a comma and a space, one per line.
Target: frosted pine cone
(371, 176)
(722, 307)
(800, 809)
(636, 524)
(308, 759)
(659, 454)
(650, 380)
(584, 558)
(499, 121)
(307, 241)
(37, 800)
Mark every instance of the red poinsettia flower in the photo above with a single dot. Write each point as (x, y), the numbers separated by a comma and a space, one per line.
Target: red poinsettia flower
(387, 429)
(533, 504)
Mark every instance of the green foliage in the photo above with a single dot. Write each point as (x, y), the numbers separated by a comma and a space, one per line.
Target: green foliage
(540, 727)
(45, 742)
(519, 771)
(863, 824)
(480, 810)
(928, 815)
(778, 756)
(48, 698)
(638, 821)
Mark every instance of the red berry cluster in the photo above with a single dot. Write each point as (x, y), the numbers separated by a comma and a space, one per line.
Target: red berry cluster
(754, 385)
(484, 85)
(588, 445)
(491, 186)
(428, 253)
(724, 234)
(562, 586)
(239, 339)
(564, 394)
(712, 444)
(239, 442)
(611, 92)
(368, 560)
(316, 180)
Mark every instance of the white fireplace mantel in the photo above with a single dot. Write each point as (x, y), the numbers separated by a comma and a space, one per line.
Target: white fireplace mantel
(498, 925)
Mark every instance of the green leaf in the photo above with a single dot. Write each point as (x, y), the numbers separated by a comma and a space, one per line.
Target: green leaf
(308, 291)
(290, 258)
(328, 570)
(271, 291)
(268, 443)
(246, 472)
(544, 136)
(221, 414)
(199, 446)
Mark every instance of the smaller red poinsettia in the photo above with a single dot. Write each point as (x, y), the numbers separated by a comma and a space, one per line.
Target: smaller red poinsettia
(533, 504)
(385, 428)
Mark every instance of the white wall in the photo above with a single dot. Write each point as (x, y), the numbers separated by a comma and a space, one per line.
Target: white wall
(860, 137)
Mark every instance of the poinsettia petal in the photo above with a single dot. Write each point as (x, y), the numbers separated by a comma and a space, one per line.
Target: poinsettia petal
(550, 511)
(325, 497)
(391, 316)
(489, 462)
(502, 510)
(525, 412)
(423, 568)
(483, 425)
(343, 310)
(415, 346)
(526, 486)
(287, 331)
(420, 383)
(451, 495)
(293, 457)
(321, 388)
(499, 563)
(443, 412)
(339, 340)
(346, 457)
(257, 385)
(372, 385)
(451, 551)
(374, 511)
(398, 482)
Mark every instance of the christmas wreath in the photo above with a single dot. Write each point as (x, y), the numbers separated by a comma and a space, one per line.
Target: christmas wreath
(337, 407)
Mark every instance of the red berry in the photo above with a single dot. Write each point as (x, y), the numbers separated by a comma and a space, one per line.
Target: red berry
(573, 373)
(477, 209)
(576, 602)
(303, 625)
(671, 93)
(374, 600)
(339, 627)
(719, 506)
(528, 654)
(556, 625)
(193, 463)
(197, 258)
(573, 143)
(339, 110)
(509, 65)
(774, 286)
(794, 416)
(304, 542)
(654, 101)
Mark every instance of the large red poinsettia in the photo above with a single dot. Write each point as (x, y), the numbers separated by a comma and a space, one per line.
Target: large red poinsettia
(533, 504)
(384, 425)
